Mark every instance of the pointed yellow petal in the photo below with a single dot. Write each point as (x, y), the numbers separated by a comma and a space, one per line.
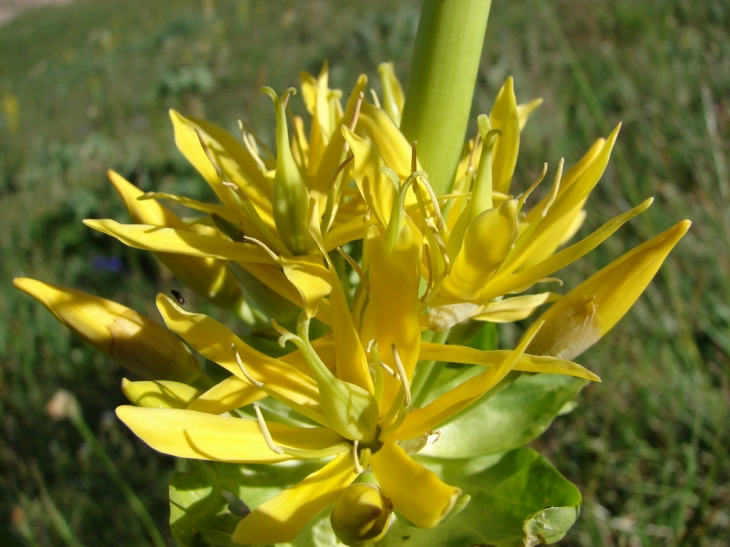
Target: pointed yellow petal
(207, 277)
(387, 138)
(132, 340)
(450, 353)
(229, 394)
(391, 317)
(393, 97)
(414, 490)
(213, 341)
(513, 309)
(201, 436)
(505, 117)
(159, 393)
(585, 314)
(280, 519)
(524, 111)
(168, 240)
(569, 177)
(503, 284)
(425, 419)
(310, 277)
(333, 154)
(487, 242)
(376, 189)
(230, 155)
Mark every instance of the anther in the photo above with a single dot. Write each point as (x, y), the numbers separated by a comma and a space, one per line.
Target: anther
(387, 369)
(355, 266)
(265, 431)
(356, 114)
(554, 190)
(376, 101)
(372, 343)
(356, 458)
(243, 369)
(523, 197)
(403, 376)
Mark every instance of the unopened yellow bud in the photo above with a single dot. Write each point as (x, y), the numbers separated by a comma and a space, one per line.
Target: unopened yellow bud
(361, 515)
(132, 340)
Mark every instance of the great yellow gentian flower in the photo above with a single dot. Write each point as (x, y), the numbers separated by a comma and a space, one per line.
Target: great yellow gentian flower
(353, 383)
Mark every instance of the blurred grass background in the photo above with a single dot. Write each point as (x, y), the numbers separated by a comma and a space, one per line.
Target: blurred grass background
(86, 86)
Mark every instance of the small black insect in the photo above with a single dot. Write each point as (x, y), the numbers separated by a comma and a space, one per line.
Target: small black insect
(177, 296)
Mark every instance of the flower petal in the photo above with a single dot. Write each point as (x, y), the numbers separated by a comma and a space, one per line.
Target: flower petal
(391, 317)
(201, 436)
(450, 353)
(503, 284)
(425, 419)
(207, 277)
(186, 242)
(280, 519)
(227, 395)
(513, 309)
(159, 393)
(505, 117)
(213, 341)
(232, 157)
(585, 314)
(310, 277)
(416, 492)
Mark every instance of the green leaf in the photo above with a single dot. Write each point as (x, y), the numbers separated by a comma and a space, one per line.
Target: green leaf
(511, 418)
(513, 495)
(196, 503)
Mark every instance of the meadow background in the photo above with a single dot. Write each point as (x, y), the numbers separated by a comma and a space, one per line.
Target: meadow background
(85, 86)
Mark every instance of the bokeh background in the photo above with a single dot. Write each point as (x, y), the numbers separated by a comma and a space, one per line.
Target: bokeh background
(85, 86)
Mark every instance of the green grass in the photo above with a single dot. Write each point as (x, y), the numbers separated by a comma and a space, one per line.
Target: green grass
(93, 80)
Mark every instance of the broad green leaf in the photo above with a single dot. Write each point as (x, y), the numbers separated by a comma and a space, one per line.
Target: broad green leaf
(511, 418)
(516, 490)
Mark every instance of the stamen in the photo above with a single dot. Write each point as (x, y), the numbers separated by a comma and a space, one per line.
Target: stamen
(211, 159)
(387, 369)
(243, 368)
(261, 244)
(403, 376)
(429, 283)
(265, 431)
(355, 266)
(355, 458)
(250, 144)
(372, 343)
(269, 156)
(339, 169)
(356, 114)
(523, 197)
(434, 203)
(554, 190)
(376, 101)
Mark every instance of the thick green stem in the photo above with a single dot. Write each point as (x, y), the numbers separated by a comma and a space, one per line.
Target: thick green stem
(441, 83)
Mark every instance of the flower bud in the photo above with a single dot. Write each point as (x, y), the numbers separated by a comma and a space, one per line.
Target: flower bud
(132, 340)
(361, 515)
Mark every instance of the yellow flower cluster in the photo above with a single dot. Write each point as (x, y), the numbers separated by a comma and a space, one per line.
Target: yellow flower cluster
(426, 263)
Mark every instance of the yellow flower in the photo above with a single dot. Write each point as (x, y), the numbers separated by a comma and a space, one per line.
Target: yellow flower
(354, 383)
